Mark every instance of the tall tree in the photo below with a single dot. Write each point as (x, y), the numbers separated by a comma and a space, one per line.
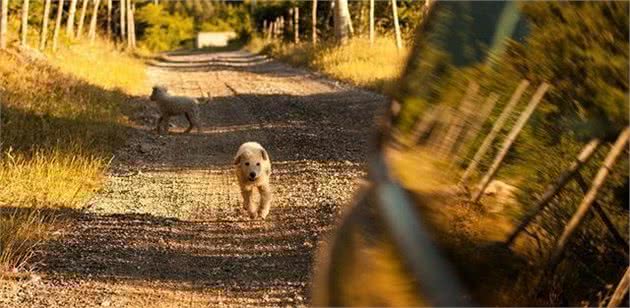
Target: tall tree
(133, 24)
(341, 21)
(296, 25)
(314, 23)
(24, 27)
(70, 22)
(131, 31)
(82, 18)
(4, 9)
(396, 25)
(371, 22)
(57, 24)
(109, 18)
(92, 31)
(44, 31)
(122, 8)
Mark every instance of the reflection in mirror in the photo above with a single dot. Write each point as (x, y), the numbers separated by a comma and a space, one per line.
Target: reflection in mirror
(509, 114)
(510, 130)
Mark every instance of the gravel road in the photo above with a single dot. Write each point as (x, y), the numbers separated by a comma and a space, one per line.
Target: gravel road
(167, 229)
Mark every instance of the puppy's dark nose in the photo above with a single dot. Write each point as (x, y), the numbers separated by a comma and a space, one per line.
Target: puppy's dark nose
(252, 174)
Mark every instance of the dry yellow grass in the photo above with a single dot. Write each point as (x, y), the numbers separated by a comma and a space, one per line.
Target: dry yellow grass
(103, 65)
(357, 62)
(61, 121)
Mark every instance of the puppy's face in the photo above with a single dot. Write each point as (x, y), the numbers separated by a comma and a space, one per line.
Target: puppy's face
(250, 164)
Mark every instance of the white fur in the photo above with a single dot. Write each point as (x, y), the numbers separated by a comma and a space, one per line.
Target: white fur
(252, 158)
(170, 105)
(504, 194)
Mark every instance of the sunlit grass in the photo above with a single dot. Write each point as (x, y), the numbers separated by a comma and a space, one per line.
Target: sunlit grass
(49, 179)
(20, 232)
(103, 65)
(61, 121)
(357, 62)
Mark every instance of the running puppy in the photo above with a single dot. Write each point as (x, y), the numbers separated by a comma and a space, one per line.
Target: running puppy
(253, 169)
(170, 105)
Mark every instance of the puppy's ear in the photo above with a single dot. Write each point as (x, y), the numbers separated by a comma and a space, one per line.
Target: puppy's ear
(237, 160)
(264, 154)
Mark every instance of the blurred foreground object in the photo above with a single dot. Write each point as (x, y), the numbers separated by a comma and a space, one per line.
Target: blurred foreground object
(496, 102)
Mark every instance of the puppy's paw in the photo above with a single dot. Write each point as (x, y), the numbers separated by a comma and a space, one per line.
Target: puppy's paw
(264, 213)
(252, 214)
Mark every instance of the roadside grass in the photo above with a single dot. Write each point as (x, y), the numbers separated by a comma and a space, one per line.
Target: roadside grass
(373, 67)
(60, 123)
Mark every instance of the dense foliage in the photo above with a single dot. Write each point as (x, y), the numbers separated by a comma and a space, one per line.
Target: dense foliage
(581, 50)
(174, 24)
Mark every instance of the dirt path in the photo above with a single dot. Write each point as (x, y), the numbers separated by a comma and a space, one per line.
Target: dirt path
(167, 229)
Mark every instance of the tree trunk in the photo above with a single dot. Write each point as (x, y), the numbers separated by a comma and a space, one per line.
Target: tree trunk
(82, 18)
(92, 31)
(129, 30)
(330, 13)
(350, 27)
(555, 187)
(70, 22)
(296, 25)
(372, 22)
(498, 125)
(341, 17)
(123, 28)
(396, 25)
(109, 18)
(620, 291)
(533, 103)
(589, 198)
(57, 25)
(4, 9)
(43, 34)
(133, 24)
(314, 24)
(282, 33)
(264, 29)
(24, 27)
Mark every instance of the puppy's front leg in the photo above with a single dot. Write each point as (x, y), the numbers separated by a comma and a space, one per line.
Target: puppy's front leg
(247, 202)
(265, 196)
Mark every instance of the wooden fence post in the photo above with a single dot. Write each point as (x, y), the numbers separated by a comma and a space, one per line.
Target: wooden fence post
(533, 103)
(620, 291)
(496, 128)
(555, 187)
(590, 196)
(423, 125)
(477, 122)
(440, 129)
(459, 120)
(602, 214)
